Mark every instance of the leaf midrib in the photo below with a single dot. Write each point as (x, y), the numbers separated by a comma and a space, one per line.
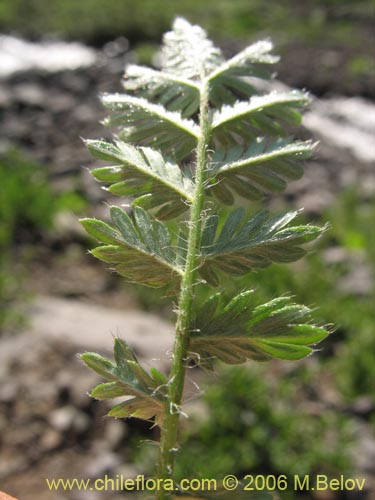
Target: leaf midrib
(172, 117)
(261, 158)
(146, 170)
(252, 108)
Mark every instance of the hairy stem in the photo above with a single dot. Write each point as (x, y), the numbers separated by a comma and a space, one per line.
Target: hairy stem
(169, 433)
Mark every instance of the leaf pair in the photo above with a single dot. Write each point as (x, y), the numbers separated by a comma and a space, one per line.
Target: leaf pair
(146, 124)
(145, 391)
(238, 330)
(140, 249)
(187, 58)
(162, 186)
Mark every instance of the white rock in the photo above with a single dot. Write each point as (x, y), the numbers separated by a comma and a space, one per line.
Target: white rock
(345, 123)
(21, 55)
(68, 417)
(92, 327)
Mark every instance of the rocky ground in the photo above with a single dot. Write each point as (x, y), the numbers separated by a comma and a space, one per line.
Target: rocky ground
(49, 427)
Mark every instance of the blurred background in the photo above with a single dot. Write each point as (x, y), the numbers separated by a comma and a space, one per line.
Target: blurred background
(310, 417)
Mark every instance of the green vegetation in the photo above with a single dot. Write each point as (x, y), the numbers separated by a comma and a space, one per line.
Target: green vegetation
(350, 372)
(26, 203)
(27, 210)
(191, 139)
(258, 419)
(334, 25)
(147, 20)
(317, 281)
(320, 280)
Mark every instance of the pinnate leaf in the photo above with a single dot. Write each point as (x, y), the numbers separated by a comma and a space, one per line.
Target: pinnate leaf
(262, 167)
(187, 52)
(143, 173)
(140, 248)
(227, 82)
(145, 392)
(241, 123)
(145, 124)
(172, 92)
(242, 244)
(238, 330)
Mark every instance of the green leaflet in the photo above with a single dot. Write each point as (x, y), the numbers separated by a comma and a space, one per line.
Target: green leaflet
(144, 174)
(227, 82)
(241, 123)
(242, 244)
(172, 92)
(145, 392)
(187, 52)
(101, 231)
(145, 124)
(237, 330)
(100, 365)
(140, 249)
(260, 168)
